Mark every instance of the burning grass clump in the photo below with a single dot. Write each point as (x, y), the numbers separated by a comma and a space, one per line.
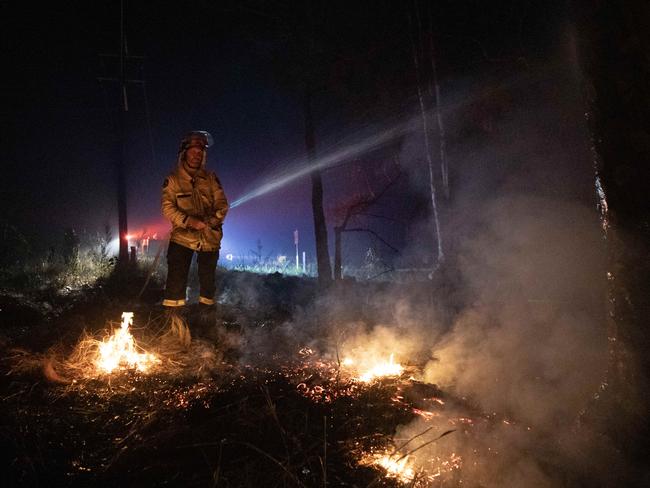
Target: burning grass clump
(115, 351)
(402, 462)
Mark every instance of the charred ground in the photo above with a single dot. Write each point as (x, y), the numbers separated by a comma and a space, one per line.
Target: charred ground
(255, 417)
(260, 399)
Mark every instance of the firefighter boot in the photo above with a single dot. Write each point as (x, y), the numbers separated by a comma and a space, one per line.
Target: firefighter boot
(207, 315)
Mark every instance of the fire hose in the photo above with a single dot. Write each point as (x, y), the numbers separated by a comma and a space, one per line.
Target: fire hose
(154, 266)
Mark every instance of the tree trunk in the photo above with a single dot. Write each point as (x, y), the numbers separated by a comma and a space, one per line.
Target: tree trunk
(427, 149)
(338, 259)
(444, 167)
(613, 40)
(320, 227)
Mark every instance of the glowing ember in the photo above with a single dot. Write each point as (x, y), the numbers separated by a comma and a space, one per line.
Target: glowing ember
(120, 351)
(446, 465)
(380, 370)
(425, 414)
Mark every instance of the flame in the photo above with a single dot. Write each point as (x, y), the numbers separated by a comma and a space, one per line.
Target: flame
(379, 370)
(120, 351)
(408, 470)
(400, 468)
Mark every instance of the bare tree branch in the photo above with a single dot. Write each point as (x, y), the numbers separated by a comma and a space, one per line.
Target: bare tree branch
(378, 216)
(369, 231)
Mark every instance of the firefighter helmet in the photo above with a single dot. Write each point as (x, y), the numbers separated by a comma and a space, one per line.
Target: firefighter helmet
(196, 138)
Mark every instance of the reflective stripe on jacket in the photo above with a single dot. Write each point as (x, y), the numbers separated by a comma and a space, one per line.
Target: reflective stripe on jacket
(201, 197)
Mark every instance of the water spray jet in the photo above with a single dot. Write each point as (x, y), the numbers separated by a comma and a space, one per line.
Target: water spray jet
(302, 168)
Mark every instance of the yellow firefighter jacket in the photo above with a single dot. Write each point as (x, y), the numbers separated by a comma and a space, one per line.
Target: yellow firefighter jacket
(200, 196)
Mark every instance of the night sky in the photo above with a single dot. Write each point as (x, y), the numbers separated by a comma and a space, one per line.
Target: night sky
(237, 70)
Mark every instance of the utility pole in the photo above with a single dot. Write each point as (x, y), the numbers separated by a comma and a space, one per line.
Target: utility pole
(121, 166)
(120, 132)
(295, 241)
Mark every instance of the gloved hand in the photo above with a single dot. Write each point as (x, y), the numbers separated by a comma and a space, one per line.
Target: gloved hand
(213, 222)
(194, 223)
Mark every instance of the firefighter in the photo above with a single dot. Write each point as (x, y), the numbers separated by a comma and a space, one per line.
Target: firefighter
(194, 202)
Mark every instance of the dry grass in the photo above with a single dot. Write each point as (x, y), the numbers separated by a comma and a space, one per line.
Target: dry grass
(170, 340)
(302, 425)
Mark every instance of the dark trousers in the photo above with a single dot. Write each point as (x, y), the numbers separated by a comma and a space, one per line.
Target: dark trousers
(179, 259)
